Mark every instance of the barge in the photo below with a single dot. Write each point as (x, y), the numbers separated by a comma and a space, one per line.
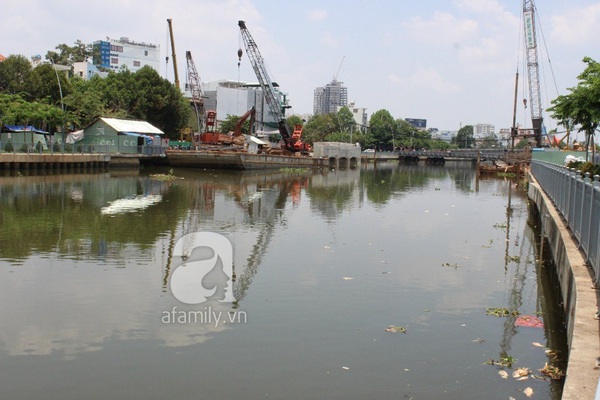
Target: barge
(240, 160)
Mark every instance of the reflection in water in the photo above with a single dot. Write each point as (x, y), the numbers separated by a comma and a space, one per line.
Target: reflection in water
(85, 290)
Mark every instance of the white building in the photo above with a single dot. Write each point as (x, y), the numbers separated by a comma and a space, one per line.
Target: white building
(235, 98)
(360, 116)
(483, 130)
(113, 54)
(86, 70)
(327, 99)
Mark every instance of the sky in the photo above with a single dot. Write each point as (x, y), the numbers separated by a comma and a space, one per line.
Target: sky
(451, 62)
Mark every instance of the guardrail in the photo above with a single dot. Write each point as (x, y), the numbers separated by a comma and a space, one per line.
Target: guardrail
(577, 199)
(77, 148)
(471, 154)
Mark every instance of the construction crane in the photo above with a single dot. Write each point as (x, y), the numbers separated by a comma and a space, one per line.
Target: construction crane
(176, 72)
(291, 139)
(535, 101)
(193, 85)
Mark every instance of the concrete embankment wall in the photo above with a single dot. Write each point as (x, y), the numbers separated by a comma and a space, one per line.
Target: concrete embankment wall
(580, 299)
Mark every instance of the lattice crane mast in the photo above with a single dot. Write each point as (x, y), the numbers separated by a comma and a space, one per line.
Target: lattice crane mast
(291, 139)
(195, 88)
(533, 70)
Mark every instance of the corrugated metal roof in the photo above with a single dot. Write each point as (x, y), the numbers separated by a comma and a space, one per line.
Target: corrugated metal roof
(127, 125)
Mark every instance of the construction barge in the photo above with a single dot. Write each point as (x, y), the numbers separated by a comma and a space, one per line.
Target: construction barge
(240, 160)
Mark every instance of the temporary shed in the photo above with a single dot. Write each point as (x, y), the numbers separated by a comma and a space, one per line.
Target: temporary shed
(116, 135)
(21, 136)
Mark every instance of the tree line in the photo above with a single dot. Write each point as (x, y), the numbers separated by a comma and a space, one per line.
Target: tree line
(53, 100)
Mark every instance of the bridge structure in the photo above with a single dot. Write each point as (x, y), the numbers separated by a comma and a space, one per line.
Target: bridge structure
(440, 156)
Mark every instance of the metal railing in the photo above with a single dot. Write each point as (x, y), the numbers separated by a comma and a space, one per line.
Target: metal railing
(577, 199)
(77, 148)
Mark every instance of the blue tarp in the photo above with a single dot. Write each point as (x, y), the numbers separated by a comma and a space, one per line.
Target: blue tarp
(24, 128)
(149, 139)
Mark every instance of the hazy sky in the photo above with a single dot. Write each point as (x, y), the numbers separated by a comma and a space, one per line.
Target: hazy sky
(452, 62)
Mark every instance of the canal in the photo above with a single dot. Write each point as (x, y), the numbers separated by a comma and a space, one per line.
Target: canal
(370, 283)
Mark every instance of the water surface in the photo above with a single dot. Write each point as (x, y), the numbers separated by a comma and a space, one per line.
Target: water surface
(323, 263)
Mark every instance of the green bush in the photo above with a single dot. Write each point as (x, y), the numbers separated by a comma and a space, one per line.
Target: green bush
(583, 167)
(56, 147)
(8, 147)
(24, 148)
(39, 147)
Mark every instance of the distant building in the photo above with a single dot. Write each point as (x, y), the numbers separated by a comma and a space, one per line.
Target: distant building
(235, 98)
(483, 130)
(327, 99)
(417, 123)
(113, 53)
(86, 70)
(446, 136)
(360, 116)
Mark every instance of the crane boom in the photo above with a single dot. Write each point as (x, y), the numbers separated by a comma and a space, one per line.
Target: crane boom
(176, 72)
(533, 70)
(266, 85)
(196, 90)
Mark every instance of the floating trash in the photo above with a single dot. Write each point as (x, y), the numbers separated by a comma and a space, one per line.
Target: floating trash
(529, 321)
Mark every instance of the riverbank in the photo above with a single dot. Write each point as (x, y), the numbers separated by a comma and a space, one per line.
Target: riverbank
(580, 300)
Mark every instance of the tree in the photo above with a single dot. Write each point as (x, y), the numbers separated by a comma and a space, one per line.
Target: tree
(67, 55)
(14, 75)
(84, 104)
(490, 142)
(383, 129)
(43, 85)
(582, 105)
(345, 119)
(319, 127)
(464, 138)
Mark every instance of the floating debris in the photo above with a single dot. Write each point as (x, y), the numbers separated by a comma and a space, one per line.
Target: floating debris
(537, 344)
(478, 340)
(395, 329)
(165, 177)
(504, 361)
(455, 265)
(501, 312)
(521, 372)
(528, 392)
(347, 278)
(503, 374)
(529, 321)
(553, 372)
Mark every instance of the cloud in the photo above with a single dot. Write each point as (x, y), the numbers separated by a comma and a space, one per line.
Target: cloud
(317, 14)
(328, 39)
(579, 26)
(424, 80)
(442, 28)
(481, 6)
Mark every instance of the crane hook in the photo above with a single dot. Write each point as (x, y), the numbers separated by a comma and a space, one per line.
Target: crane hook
(240, 52)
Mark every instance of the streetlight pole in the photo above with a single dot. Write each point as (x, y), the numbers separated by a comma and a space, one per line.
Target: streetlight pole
(62, 107)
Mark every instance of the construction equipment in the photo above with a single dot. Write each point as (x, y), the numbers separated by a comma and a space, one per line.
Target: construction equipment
(533, 70)
(170, 22)
(235, 138)
(292, 140)
(251, 113)
(533, 80)
(195, 88)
